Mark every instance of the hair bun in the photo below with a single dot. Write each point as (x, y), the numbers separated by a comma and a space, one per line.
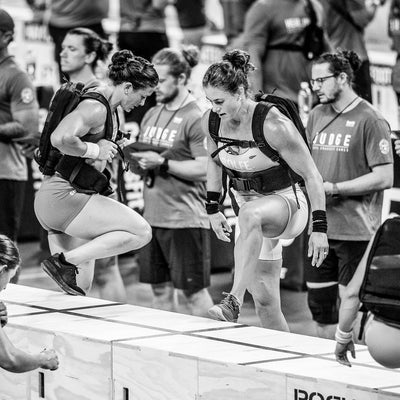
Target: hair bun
(119, 59)
(239, 60)
(191, 54)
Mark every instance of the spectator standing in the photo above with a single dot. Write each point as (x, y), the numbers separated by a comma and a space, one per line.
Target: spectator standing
(63, 15)
(344, 22)
(82, 49)
(142, 31)
(11, 358)
(351, 147)
(174, 200)
(271, 26)
(192, 20)
(19, 113)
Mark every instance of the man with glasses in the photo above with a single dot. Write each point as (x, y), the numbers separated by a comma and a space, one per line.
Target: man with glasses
(351, 147)
(18, 125)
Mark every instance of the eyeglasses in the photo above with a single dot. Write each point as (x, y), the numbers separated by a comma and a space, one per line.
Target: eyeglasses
(320, 80)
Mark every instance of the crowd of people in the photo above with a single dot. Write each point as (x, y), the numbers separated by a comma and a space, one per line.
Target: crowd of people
(331, 181)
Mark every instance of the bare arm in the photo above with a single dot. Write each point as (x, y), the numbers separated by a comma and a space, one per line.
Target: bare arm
(90, 114)
(25, 124)
(380, 178)
(283, 136)
(15, 360)
(218, 222)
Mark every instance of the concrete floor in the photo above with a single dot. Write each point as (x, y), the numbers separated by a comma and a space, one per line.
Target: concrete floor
(294, 304)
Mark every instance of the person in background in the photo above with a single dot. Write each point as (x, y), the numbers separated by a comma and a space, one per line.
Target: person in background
(11, 358)
(63, 15)
(271, 28)
(178, 256)
(350, 142)
(82, 51)
(142, 31)
(344, 23)
(19, 126)
(381, 336)
(104, 226)
(271, 204)
(192, 20)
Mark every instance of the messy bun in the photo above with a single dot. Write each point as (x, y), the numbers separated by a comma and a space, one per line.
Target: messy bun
(239, 60)
(125, 67)
(230, 73)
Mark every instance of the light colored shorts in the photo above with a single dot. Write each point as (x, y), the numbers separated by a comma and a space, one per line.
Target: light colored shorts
(272, 248)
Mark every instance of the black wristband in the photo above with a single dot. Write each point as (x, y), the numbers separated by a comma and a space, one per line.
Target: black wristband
(213, 196)
(319, 222)
(212, 208)
(164, 167)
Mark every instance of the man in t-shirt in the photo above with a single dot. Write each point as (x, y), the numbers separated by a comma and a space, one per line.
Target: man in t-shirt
(18, 125)
(173, 160)
(351, 147)
(274, 33)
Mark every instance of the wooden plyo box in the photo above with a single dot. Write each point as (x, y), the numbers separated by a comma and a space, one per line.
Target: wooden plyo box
(123, 352)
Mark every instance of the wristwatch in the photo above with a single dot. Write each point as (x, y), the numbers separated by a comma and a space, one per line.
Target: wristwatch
(164, 166)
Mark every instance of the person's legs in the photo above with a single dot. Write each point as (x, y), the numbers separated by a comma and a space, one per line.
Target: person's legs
(108, 228)
(265, 291)
(108, 280)
(61, 243)
(12, 195)
(154, 270)
(190, 264)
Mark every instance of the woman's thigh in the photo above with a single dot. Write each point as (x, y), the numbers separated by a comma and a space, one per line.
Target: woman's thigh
(103, 215)
(272, 213)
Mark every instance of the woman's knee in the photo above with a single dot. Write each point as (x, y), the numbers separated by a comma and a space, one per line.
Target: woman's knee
(249, 218)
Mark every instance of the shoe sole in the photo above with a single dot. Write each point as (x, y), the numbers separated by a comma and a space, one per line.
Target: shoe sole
(217, 314)
(50, 270)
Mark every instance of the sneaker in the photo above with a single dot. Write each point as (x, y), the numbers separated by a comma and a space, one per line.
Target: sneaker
(228, 310)
(63, 273)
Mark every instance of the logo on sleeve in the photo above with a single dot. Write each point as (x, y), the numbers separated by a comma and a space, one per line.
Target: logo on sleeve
(384, 146)
(27, 95)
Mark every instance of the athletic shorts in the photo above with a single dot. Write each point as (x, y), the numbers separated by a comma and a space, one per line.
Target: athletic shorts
(340, 264)
(181, 256)
(272, 248)
(57, 204)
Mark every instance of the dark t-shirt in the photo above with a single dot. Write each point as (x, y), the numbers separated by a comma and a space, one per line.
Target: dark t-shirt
(350, 147)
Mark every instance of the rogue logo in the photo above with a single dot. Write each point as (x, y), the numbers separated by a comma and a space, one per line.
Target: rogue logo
(300, 394)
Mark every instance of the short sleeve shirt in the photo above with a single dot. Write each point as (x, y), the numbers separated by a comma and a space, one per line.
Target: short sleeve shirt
(17, 93)
(173, 202)
(349, 147)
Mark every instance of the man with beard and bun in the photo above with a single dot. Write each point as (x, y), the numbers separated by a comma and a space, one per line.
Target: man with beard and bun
(351, 148)
(171, 156)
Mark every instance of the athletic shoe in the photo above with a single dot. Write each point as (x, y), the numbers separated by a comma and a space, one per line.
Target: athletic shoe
(63, 273)
(228, 310)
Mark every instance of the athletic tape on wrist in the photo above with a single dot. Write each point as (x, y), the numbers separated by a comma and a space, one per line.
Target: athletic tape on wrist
(92, 150)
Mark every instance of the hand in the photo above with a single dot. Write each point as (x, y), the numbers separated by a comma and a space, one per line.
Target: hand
(318, 248)
(341, 352)
(397, 146)
(220, 226)
(3, 314)
(148, 159)
(28, 150)
(108, 150)
(48, 360)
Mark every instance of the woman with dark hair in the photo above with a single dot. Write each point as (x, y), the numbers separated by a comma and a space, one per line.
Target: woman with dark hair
(11, 358)
(104, 226)
(81, 52)
(269, 210)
